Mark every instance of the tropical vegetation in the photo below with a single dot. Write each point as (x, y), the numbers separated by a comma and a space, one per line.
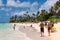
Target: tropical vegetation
(53, 14)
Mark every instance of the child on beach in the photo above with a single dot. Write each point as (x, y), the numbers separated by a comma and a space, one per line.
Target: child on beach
(14, 26)
(42, 29)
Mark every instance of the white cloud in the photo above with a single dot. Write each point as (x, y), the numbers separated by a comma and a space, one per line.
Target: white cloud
(35, 3)
(11, 3)
(5, 9)
(19, 13)
(34, 6)
(17, 3)
(8, 9)
(1, 4)
(24, 4)
(20, 4)
(7, 14)
(48, 4)
(2, 8)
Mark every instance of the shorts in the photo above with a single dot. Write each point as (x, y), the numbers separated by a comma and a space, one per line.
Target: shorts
(49, 28)
(42, 29)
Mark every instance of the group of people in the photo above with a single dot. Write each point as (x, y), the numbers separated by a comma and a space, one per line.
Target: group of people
(48, 25)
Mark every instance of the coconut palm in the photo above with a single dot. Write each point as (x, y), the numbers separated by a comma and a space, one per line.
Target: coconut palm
(57, 5)
(38, 14)
(12, 19)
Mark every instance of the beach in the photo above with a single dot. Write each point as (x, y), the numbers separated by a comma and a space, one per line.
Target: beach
(23, 31)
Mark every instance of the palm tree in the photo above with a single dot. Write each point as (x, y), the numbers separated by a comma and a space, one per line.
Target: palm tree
(19, 18)
(52, 10)
(58, 14)
(27, 16)
(38, 14)
(12, 19)
(34, 15)
(57, 5)
(44, 15)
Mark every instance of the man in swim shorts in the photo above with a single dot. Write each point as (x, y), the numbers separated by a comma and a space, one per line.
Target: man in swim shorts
(42, 29)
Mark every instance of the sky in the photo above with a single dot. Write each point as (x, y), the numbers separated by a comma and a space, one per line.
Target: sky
(10, 8)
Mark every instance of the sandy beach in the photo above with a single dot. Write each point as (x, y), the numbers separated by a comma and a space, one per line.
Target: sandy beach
(34, 32)
(29, 33)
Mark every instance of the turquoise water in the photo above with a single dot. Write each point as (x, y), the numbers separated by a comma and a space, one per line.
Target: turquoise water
(4, 26)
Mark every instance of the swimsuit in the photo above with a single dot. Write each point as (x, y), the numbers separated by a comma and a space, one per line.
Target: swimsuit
(42, 29)
(49, 28)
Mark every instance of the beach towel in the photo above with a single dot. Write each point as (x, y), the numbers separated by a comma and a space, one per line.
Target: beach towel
(53, 29)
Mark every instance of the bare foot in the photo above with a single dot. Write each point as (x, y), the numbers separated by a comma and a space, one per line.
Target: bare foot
(48, 35)
(24, 26)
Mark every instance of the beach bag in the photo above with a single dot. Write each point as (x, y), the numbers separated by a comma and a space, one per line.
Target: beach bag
(53, 29)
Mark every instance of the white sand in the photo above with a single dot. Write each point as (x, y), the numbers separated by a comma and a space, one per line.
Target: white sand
(29, 33)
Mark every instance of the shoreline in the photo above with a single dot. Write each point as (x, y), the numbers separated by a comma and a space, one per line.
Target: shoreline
(31, 33)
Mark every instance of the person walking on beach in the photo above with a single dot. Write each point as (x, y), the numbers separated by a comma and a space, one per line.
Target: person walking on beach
(49, 28)
(42, 29)
(31, 25)
(14, 26)
(46, 24)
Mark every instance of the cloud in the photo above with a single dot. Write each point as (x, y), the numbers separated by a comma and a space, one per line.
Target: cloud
(48, 4)
(31, 7)
(20, 4)
(7, 14)
(5, 9)
(0, 17)
(34, 6)
(24, 4)
(17, 3)
(8, 9)
(2, 8)
(11, 3)
(1, 4)
(19, 13)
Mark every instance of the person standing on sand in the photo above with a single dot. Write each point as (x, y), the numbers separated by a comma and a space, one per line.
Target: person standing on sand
(46, 24)
(49, 28)
(42, 29)
(14, 26)
(31, 25)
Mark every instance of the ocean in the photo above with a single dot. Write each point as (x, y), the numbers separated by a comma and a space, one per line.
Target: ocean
(5, 26)
(7, 33)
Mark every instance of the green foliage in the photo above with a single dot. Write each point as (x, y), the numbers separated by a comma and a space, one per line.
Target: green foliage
(39, 16)
(52, 19)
